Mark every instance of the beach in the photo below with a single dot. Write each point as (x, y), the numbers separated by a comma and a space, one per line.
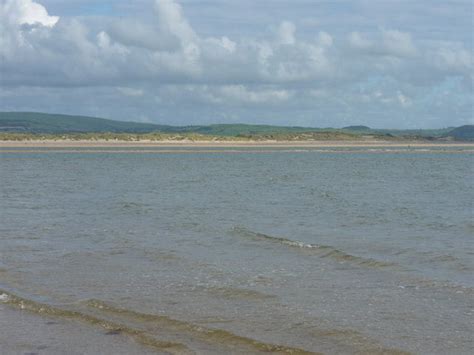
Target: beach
(65, 143)
(23, 332)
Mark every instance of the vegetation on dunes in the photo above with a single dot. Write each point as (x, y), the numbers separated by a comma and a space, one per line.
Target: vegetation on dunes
(43, 126)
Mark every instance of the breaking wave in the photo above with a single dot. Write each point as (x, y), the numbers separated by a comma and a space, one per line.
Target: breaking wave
(323, 251)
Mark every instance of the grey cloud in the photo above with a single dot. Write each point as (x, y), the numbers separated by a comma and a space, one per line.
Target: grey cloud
(171, 51)
(165, 62)
(133, 33)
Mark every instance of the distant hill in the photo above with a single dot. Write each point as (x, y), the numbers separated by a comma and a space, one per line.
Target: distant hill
(357, 128)
(33, 122)
(462, 133)
(407, 133)
(45, 123)
(245, 129)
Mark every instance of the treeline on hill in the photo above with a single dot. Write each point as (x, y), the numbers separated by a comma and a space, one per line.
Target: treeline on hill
(31, 125)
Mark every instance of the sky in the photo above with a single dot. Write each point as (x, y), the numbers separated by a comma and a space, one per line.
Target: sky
(317, 63)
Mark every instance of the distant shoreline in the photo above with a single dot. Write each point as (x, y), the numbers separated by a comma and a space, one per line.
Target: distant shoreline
(225, 143)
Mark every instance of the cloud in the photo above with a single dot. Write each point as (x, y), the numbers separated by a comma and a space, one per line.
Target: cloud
(325, 39)
(240, 93)
(286, 33)
(165, 59)
(20, 12)
(357, 41)
(453, 57)
(386, 43)
(168, 50)
(404, 100)
(226, 94)
(136, 34)
(398, 43)
(130, 91)
(171, 20)
(17, 16)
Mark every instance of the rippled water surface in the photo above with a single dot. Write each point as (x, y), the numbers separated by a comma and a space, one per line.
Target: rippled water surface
(246, 250)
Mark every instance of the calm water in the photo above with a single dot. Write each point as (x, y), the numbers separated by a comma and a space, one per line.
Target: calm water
(240, 250)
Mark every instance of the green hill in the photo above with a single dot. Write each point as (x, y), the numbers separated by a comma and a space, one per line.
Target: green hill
(245, 129)
(44, 123)
(33, 122)
(357, 128)
(462, 133)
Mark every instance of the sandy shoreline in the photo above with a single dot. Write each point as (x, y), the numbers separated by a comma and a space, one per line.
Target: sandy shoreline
(223, 144)
(24, 332)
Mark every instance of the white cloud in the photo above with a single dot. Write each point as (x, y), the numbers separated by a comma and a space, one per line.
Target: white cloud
(356, 40)
(453, 57)
(20, 12)
(228, 94)
(171, 19)
(325, 39)
(399, 43)
(404, 101)
(167, 55)
(168, 50)
(228, 44)
(242, 94)
(17, 14)
(286, 33)
(386, 43)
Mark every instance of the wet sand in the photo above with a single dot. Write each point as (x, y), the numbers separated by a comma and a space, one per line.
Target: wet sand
(23, 332)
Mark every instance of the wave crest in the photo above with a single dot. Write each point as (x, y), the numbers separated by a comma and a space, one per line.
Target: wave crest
(323, 251)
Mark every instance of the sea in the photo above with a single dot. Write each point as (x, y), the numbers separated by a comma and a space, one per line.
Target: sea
(351, 250)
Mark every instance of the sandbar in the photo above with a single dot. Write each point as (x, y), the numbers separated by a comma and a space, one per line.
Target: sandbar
(68, 143)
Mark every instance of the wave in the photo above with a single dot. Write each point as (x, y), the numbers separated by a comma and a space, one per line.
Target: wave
(111, 326)
(216, 336)
(326, 251)
(187, 337)
(323, 251)
(144, 327)
(198, 332)
(227, 292)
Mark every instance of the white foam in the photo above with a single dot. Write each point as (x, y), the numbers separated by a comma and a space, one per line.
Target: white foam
(298, 244)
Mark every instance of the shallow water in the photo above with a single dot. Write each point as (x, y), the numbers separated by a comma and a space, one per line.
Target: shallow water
(246, 250)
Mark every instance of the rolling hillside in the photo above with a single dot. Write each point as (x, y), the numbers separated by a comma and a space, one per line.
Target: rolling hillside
(462, 133)
(33, 122)
(44, 123)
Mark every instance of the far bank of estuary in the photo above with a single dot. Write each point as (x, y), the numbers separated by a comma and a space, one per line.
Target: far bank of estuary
(215, 142)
